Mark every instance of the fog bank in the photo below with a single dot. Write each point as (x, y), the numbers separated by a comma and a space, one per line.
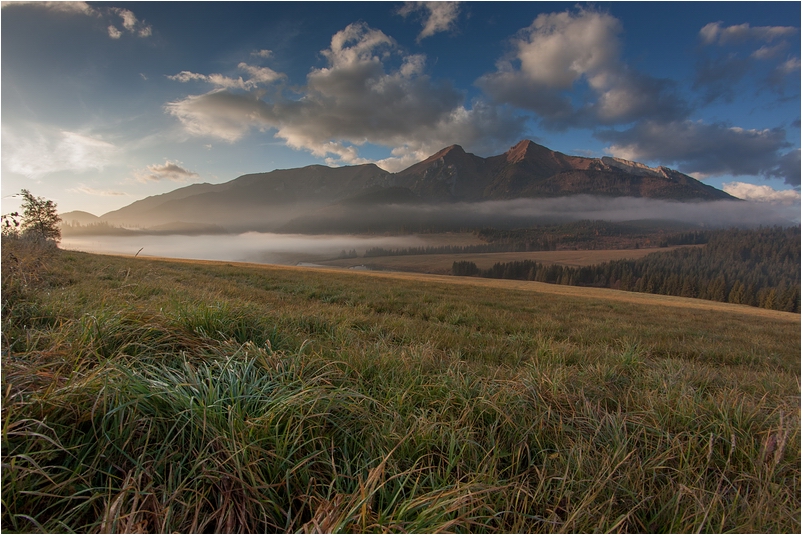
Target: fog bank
(260, 247)
(717, 214)
(345, 224)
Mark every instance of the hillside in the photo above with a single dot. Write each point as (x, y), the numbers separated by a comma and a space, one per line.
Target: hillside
(355, 197)
(156, 396)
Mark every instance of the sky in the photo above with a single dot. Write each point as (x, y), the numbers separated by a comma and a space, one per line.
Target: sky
(107, 103)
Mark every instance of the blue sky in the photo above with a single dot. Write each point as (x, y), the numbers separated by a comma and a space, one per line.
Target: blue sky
(106, 103)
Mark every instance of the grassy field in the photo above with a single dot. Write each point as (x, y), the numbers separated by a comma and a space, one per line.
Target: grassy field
(142, 395)
(441, 263)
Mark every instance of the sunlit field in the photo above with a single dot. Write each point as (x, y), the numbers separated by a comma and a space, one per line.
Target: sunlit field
(442, 263)
(145, 395)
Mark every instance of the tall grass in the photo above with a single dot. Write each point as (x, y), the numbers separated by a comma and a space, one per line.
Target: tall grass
(143, 396)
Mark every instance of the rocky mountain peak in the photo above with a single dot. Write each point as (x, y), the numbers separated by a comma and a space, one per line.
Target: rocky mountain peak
(522, 149)
(454, 151)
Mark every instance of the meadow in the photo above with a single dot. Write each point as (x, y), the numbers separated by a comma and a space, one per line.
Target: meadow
(442, 263)
(144, 395)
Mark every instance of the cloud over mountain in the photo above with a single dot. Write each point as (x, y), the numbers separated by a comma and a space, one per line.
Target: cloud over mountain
(357, 98)
(166, 171)
(557, 52)
(702, 148)
(763, 193)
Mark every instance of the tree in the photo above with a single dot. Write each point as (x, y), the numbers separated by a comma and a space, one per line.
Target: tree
(39, 218)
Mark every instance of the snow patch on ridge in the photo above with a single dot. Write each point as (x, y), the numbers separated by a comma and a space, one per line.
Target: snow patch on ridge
(634, 168)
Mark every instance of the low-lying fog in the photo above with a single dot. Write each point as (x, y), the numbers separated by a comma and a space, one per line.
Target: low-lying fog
(586, 207)
(247, 247)
(293, 248)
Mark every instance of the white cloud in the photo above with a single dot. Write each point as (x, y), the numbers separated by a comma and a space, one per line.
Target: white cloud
(130, 23)
(81, 8)
(166, 171)
(700, 148)
(129, 19)
(789, 66)
(42, 151)
(752, 192)
(219, 114)
(769, 52)
(558, 51)
(715, 33)
(262, 53)
(259, 75)
(722, 67)
(352, 101)
(82, 188)
(437, 16)
(562, 47)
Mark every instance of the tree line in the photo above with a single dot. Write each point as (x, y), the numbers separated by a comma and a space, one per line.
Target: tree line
(759, 267)
(574, 235)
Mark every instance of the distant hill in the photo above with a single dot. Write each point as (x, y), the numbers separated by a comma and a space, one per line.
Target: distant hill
(305, 199)
(78, 217)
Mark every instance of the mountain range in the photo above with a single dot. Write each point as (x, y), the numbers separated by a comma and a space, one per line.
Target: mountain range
(304, 199)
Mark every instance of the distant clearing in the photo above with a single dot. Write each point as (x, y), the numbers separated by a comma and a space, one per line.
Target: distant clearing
(531, 286)
(441, 263)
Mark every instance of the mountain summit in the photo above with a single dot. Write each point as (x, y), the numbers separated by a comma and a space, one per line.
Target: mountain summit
(532, 170)
(265, 201)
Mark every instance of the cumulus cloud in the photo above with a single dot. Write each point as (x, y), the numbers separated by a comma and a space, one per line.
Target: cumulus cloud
(560, 50)
(264, 53)
(716, 34)
(354, 100)
(43, 151)
(166, 171)
(752, 192)
(220, 114)
(436, 16)
(701, 148)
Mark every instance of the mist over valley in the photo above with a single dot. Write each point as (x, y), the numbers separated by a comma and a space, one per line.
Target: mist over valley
(280, 216)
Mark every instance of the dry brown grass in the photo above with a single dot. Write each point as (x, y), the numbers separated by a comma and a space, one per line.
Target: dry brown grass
(603, 294)
(441, 263)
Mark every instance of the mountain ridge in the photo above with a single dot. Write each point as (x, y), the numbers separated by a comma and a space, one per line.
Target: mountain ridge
(260, 201)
